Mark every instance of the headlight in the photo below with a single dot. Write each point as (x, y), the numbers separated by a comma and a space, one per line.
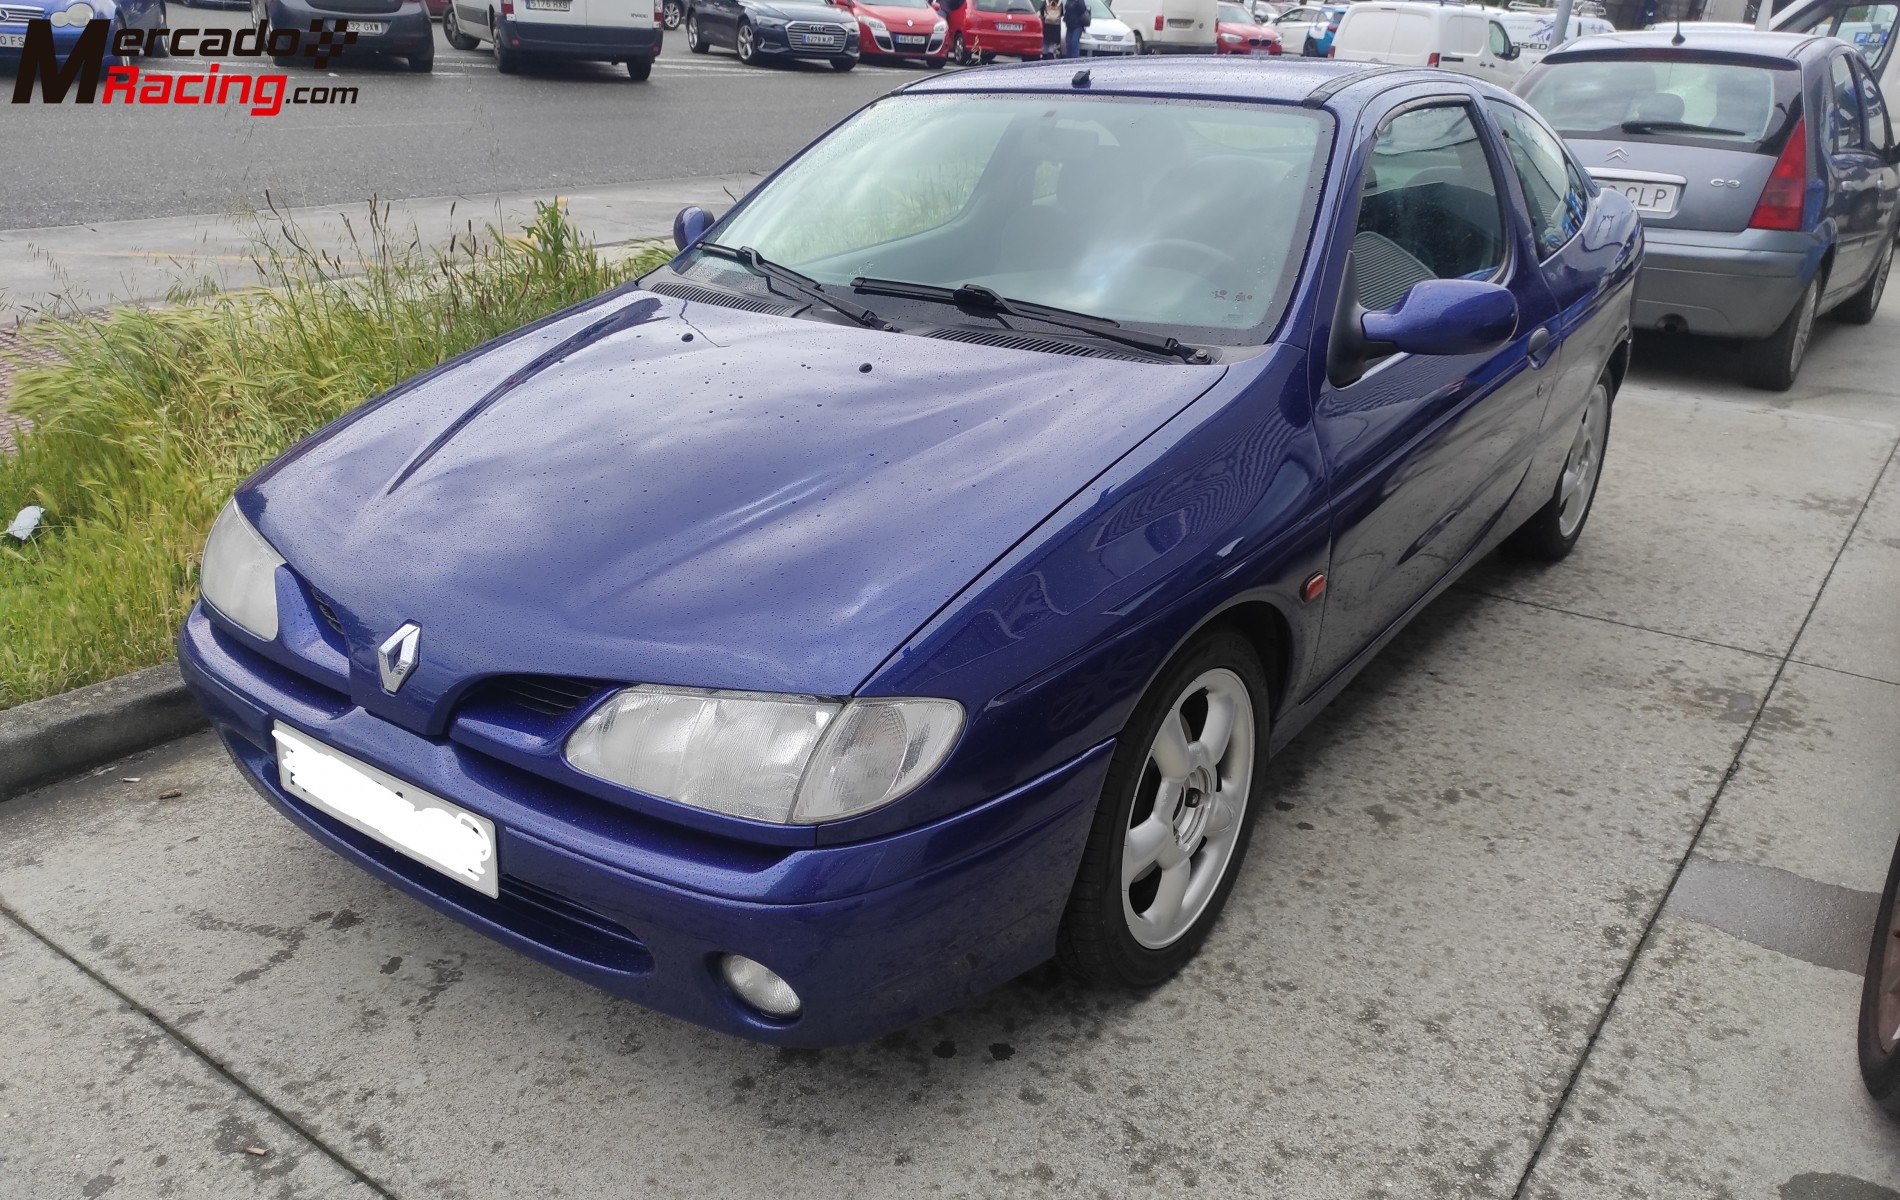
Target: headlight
(768, 20)
(940, 27)
(792, 760)
(877, 27)
(1230, 37)
(239, 573)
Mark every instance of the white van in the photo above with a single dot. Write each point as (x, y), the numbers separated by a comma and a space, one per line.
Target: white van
(1466, 40)
(622, 31)
(1170, 26)
(1531, 31)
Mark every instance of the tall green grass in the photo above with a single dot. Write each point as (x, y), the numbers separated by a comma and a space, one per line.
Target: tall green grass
(155, 415)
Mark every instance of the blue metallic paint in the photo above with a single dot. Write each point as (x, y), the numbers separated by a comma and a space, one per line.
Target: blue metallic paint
(1030, 535)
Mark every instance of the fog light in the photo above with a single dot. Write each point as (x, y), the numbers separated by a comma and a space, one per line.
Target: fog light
(759, 986)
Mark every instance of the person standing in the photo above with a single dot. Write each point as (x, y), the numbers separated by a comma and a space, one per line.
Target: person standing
(1075, 18)
(1051, 27)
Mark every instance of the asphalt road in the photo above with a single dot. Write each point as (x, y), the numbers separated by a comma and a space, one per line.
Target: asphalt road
(465, 129)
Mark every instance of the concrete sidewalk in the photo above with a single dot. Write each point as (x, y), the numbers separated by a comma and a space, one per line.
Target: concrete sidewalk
(1560, 900)
(87, 266)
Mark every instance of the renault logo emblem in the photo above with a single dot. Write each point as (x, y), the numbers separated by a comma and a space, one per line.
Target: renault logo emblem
(396, 657)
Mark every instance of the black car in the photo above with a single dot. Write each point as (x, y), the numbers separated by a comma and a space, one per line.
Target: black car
(762, 31)
(382, 27)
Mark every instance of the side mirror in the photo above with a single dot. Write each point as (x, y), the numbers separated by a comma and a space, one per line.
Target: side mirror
(690, 225)
(1446, 316)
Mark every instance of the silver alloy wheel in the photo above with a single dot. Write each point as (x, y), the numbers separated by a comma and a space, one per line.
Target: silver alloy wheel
(747, 47)
(1887, 1006)
(670, 14)
(1880, 277)
(692, 31)
(1195, 785)
(1585, 463)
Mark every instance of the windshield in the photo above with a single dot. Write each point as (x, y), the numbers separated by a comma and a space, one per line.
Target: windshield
(1672, 100)
(1187, 218)
(1233, 14)
(901, 3)
(1100, 10)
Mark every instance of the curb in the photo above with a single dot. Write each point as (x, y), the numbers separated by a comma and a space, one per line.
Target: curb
(44, 741)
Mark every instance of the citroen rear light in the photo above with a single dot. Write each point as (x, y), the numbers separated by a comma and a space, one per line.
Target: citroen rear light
(1785, 194)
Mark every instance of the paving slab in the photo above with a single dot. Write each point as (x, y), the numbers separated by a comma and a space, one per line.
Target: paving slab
(1410, 966)
(96, 1100)
(1818, 792)
(1727, 519)
(1856, 624)
(1727, 1070)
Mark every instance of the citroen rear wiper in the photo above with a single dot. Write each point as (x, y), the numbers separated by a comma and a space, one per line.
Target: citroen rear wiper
(1678, 127)
(804, 285)
(976, 296)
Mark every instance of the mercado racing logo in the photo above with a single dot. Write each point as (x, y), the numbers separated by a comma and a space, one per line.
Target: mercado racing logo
(62, 61)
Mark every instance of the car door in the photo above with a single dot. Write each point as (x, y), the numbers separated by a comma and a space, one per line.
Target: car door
(1501, 57)
(1866, 27)
(1293, 25)
(1880, 140)
(1423, 452)
(1856, 175)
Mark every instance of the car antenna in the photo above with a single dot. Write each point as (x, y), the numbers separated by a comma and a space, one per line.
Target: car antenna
(1678, 39)
(1081, 78)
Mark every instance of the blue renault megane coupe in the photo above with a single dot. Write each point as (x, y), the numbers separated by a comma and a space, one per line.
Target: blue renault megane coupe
(910, 581)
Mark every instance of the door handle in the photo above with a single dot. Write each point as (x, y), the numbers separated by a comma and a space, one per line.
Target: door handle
(1540, 346)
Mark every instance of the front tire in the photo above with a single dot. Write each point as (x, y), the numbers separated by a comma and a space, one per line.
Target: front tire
(1552, 532)
(1774, 361)
(672, 13)
(843, 64)
(695, 41)
(452, 32)
(746, 42)
(1171, 828)
(1880, 1001)
(1862, 305)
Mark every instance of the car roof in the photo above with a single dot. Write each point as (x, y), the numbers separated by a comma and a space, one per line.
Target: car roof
(1751, 42)
(1289, 80)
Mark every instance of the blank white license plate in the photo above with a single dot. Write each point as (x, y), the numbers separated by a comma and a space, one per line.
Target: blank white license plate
(1656, 198)
(13, 41)
(370, 27)
(1009, 27)
(427, 828)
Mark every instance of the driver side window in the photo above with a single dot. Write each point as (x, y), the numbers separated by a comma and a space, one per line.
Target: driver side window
(1428, 207)
(1500, 41)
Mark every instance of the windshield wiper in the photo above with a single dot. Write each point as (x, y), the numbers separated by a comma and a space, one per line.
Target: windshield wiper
(1678, 127)
(804, 285)
(976, 296)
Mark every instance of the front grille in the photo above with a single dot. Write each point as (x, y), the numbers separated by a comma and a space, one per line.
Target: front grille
(577, 929)
(686, 291)
(355, 7)
(17, 13)
(549, 695)
(811, 35)
(327, 613)
(1030, 341)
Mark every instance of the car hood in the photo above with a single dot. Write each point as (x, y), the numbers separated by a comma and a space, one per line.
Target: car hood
(794, 11)
(651, 490)
(921, 20)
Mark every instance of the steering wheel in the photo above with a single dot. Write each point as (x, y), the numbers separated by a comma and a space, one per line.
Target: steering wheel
(1202, 256)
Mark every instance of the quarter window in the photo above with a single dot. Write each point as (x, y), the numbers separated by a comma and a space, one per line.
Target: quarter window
(1846, 123)
(1553, 189)
(1429, 206)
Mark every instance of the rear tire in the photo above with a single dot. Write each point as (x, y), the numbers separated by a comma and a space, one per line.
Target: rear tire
(1880, 1002)
(1774, 361)
(960, 52)
(1552, 532)
(1860, 308)
(507, 61)
(986, 58)
(639, 69)
(421, 64)
(452, 32)
(672, 13)
(1134, 921)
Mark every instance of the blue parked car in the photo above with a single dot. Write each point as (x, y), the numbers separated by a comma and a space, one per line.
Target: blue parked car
(70, 19)
(910, 581)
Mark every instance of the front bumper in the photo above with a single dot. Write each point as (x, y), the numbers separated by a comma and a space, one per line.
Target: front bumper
(1740, 285)
(934, 45)
(581, 43)
(410, 29)
(873, 935)
(780, 41)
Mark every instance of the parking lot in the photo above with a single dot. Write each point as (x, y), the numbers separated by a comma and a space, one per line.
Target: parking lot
(1566, 898)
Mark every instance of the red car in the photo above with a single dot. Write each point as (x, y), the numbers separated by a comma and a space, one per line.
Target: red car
(1237, 33)
(982, 29)
(900, 29)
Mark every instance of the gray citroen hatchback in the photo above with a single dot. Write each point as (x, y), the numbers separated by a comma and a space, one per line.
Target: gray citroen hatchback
(1762, 165)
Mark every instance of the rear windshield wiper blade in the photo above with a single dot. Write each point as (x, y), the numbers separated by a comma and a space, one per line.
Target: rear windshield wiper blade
(976, 296)
(1678, 127)
(804, 285)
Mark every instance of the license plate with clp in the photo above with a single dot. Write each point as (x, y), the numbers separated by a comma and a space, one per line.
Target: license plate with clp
(400, 815)
(1656, 198)
(372, 28)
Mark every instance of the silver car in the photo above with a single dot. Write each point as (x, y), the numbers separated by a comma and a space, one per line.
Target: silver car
(1762, 165)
